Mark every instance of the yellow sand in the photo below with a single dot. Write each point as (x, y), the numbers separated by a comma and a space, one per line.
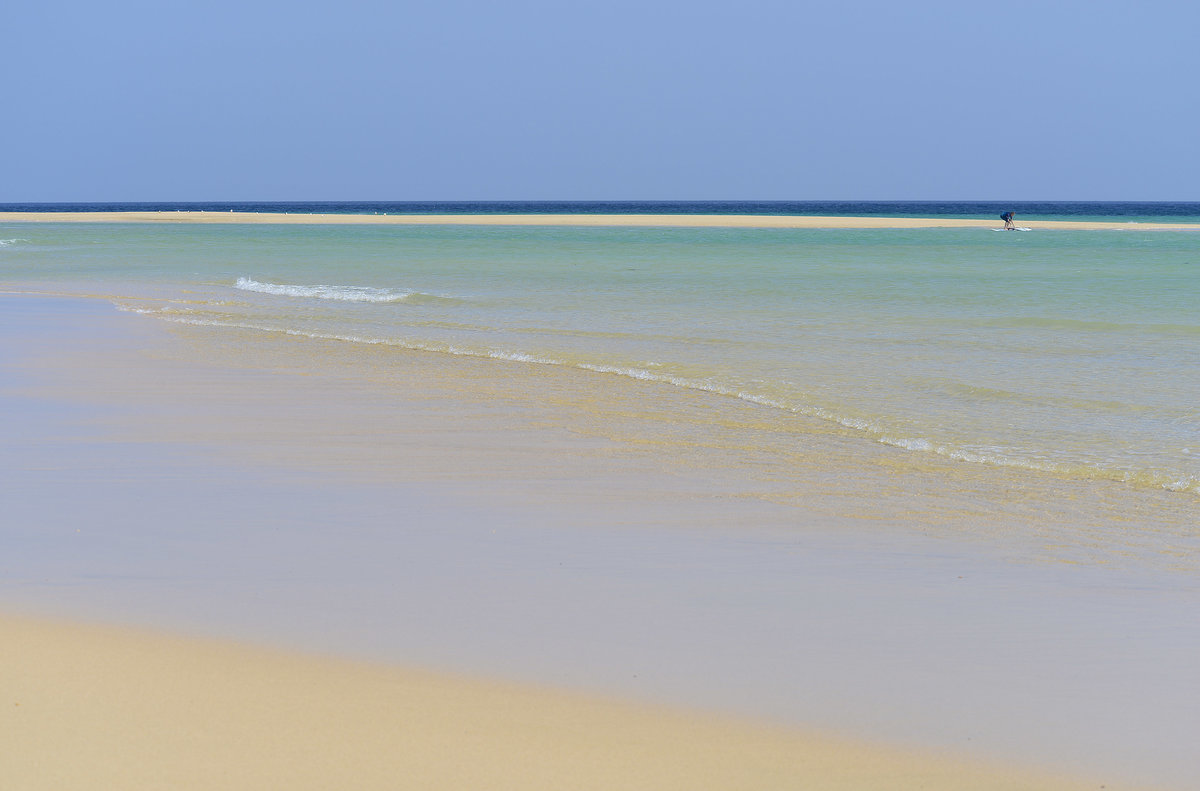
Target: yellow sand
(86, 707)
(644, 220)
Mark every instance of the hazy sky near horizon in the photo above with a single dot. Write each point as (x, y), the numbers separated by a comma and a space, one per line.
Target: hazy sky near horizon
(456, 99)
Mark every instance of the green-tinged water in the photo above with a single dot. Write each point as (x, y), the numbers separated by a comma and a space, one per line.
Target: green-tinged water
(1073, 353)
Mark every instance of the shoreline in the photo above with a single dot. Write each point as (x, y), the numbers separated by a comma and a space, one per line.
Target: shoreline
(480, 540)
(576, 220)
(89, 706)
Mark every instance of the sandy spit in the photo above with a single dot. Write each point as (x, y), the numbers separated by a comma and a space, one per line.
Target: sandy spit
(596, 220)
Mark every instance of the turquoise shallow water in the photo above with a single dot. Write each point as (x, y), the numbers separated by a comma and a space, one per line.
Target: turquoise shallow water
(1074, 353)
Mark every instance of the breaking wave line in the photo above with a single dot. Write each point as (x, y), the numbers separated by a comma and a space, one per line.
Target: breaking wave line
(340, 293)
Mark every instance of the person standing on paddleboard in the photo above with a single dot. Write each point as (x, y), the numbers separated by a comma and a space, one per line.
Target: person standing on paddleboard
(1008, 220)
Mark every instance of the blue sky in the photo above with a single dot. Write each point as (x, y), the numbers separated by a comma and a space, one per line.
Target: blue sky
(364, 100)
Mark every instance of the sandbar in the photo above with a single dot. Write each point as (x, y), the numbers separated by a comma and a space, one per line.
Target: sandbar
(592, 220)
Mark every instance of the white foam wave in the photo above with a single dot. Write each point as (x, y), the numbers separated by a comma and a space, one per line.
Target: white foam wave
(918, 443)
(7, 242)
(341, 293)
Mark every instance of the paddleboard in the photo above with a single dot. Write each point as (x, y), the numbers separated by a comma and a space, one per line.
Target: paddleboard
(1012, 229)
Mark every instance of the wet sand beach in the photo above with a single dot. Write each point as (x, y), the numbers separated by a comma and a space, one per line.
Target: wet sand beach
(100, 708)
